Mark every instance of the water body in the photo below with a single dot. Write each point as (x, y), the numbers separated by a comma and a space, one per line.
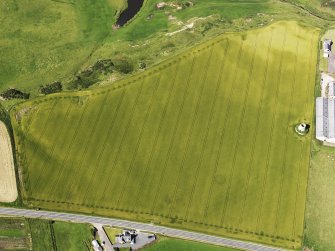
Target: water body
(133, 7)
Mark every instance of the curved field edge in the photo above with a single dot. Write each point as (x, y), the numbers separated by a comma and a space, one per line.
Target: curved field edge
(8, 191)
(182, 162)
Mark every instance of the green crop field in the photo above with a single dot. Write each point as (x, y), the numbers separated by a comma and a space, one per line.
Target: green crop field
(203, 141)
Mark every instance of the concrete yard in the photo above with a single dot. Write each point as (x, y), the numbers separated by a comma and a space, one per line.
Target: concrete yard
(142, 240)
(331, 62)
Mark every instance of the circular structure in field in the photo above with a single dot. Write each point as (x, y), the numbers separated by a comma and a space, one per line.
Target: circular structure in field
(302, 129)
(8, 190)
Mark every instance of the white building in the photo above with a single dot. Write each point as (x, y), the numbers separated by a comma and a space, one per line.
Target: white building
(325, 111)
(96, 245)
(327, 47)
(325, 119)
(128, 236)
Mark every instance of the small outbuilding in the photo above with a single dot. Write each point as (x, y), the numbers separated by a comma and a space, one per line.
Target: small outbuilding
(302, 129)
(96, 245)
(327, 47)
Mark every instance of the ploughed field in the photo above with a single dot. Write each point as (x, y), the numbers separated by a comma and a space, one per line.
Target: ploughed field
(204, 141)
(14, 234)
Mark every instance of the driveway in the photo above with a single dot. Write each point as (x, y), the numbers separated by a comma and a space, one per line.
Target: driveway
(104, 240)
(331, 62)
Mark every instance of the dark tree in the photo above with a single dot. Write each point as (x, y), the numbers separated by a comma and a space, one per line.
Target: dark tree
(51, 88)
(13, 93)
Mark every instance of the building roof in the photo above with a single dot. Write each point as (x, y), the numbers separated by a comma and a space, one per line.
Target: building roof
(96, 246)
(325, 119)
(327, 43)
(128, 236)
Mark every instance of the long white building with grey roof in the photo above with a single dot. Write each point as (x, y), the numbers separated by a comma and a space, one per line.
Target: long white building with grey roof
(325, 119)
(325, 110)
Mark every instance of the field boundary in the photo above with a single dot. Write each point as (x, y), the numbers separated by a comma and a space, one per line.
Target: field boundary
(167, 231)
(228, 228)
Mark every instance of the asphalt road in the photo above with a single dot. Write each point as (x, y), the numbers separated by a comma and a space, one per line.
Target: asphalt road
(79, 218)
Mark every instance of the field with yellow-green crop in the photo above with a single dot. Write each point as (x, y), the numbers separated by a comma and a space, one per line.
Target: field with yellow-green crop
(203, 141)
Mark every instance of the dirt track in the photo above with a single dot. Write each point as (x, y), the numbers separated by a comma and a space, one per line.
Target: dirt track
(8, 190)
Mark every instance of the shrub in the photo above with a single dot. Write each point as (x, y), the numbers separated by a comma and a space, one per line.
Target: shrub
(123, 66)
(84, 79)
(13, 93)
(51, 88)
(103, 66)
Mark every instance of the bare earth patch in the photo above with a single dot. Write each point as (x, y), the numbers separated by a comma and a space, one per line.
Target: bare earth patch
(8, 190)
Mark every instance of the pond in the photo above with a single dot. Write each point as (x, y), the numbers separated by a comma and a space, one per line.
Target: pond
(133, 7)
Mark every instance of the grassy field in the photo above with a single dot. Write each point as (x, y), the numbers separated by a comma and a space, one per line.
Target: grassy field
(14, 234)
(167, 244)
(40, 47)
(203, 141)
(52, 236)
(72, 237)
(320, 220)
(42, 235)
(320, 8)
(48, 41)
(45, 41)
